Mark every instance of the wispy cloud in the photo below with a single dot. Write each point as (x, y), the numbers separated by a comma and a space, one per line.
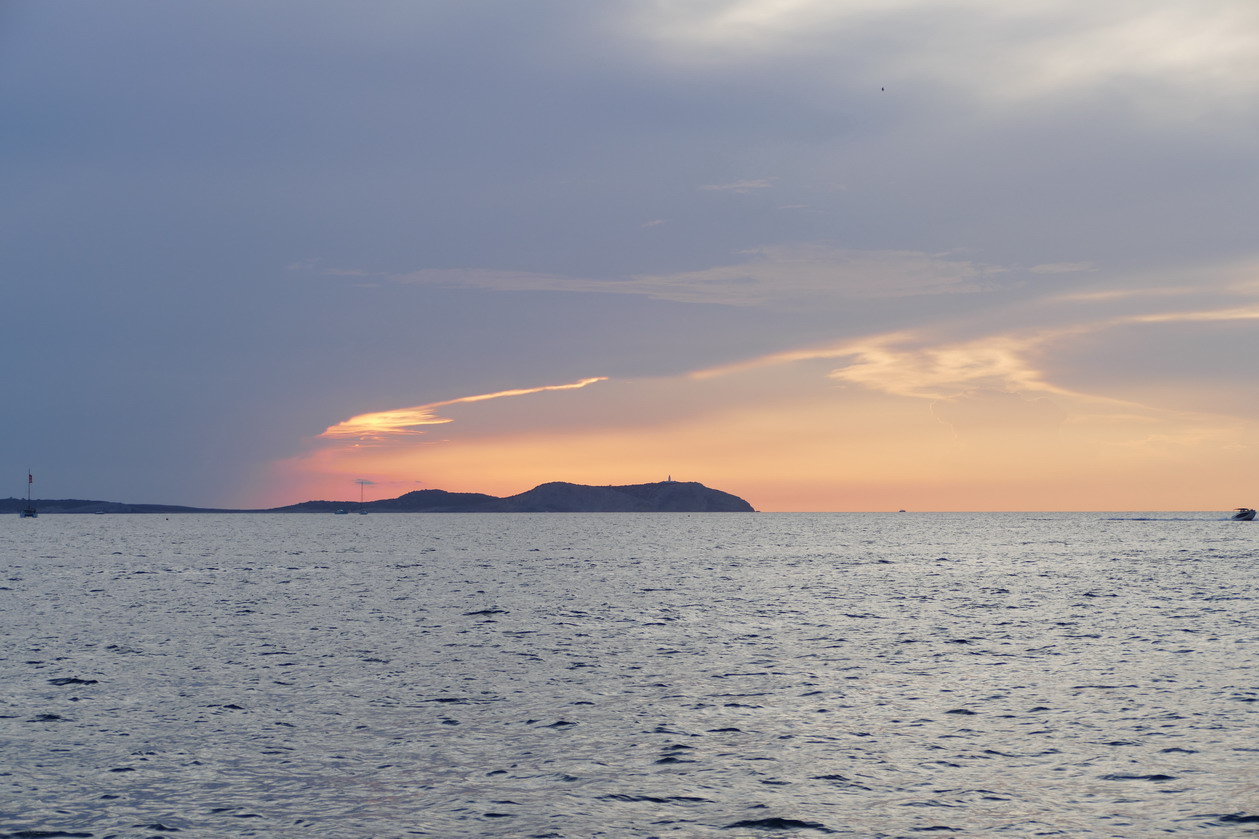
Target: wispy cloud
(998, 363)
(801, 272)
(404, 422)
(950, 360)
(1063, 268)
(740, 186)
(914, 364)
(497, 280)
(381, 424)
(791, 275)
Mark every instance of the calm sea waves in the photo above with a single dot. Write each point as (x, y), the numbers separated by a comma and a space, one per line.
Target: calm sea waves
(714, 675)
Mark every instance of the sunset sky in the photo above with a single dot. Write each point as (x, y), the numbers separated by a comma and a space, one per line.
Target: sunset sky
(822, 254)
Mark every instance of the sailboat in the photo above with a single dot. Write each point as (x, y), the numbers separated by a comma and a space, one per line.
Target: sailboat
(362, 511)
(29, 512)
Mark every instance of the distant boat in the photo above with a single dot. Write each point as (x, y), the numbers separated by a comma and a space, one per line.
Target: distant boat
(341, 513)
(1244, 514)
(29, 512)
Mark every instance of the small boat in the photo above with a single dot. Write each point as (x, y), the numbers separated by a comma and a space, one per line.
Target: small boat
(29, 512)
(341, 513)
(1244, 514)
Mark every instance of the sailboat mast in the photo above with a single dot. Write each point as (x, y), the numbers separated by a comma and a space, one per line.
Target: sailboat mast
(29, 512)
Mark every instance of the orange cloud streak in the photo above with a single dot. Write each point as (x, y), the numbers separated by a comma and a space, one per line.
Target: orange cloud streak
(403, 421)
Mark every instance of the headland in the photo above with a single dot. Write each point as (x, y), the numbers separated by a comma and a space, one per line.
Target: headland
(556, 497)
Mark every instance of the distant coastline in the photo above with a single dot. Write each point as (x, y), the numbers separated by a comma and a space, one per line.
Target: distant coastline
(555, 497)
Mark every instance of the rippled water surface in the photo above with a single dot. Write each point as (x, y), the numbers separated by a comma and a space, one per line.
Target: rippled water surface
(718, 675)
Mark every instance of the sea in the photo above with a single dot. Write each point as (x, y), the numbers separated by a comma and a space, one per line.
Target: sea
(555, 676)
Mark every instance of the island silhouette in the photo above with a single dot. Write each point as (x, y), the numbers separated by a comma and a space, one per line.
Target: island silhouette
(555, 497)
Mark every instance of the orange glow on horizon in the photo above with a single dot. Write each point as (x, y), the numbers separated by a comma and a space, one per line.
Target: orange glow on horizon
(850, 450)
(891, 421)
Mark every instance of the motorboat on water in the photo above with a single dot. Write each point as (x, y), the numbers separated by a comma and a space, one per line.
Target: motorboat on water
(1244, 514)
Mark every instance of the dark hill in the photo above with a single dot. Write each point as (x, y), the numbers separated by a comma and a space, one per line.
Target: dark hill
(78, 505)
(666, 497)
(419, 501)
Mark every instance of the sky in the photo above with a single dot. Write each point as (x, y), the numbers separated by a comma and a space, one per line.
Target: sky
(827, 255)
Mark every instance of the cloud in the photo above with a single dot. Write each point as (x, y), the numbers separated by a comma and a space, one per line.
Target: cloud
(995, 363)
(712, 28)
(1030, 48)
(404, 422)
(1063, 268)
(775, 275)
(795, 273)
(317, 266)
(497, 280)
(1163, 379)
(381, 424)
(921, 365)
(1236, 313)
(740, 186)
(1202, 54)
